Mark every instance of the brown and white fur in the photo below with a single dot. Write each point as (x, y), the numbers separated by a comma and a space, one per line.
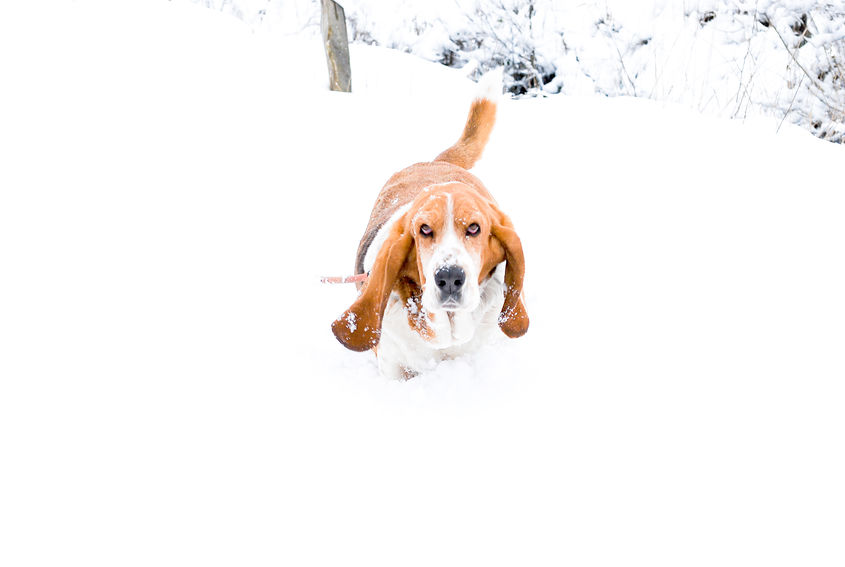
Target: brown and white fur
(445, 264)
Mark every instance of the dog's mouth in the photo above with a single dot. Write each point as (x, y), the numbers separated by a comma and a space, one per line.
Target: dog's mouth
(450, 305)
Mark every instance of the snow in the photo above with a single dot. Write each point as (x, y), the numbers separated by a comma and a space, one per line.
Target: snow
(490, 85)
(173, 184)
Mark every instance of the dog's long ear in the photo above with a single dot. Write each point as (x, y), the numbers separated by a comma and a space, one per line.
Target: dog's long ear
(359, 328)
(513, 320)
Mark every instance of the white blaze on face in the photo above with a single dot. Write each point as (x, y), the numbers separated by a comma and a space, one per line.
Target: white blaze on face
(450, 250)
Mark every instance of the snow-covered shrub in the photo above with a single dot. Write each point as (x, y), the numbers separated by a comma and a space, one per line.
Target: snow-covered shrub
(814, 39)
(502, 33)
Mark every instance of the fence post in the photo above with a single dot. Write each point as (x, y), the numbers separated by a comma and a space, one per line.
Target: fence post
(333, 27)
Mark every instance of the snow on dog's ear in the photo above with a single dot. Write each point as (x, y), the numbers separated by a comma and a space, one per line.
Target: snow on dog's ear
(359, 328)
(513, 320)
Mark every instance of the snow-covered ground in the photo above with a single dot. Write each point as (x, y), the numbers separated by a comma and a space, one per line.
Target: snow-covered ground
(173, 185)
(727, 58)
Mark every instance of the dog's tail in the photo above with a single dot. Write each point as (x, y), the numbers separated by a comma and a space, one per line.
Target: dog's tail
(482, 115)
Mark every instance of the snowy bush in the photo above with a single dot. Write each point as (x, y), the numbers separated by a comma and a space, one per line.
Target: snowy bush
(736, 58)
(501, 33)
(812, 37)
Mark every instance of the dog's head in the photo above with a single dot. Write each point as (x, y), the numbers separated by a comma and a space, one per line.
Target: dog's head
(448, 242)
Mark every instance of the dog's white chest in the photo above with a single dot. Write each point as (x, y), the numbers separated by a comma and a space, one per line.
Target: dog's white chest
(403, 351)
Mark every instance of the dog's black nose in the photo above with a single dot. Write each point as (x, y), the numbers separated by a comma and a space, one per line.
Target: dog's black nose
(449, 280)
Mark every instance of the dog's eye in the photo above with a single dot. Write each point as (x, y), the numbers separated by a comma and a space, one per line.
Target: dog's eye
(473, 229)
(425, 230)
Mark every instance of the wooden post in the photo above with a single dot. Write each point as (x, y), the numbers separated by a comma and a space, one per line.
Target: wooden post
(333, 26)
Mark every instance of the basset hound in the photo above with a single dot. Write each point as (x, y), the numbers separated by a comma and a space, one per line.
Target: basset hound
(445, 264)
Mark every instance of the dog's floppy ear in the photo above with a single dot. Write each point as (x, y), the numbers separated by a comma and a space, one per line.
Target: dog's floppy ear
(359, 328)
(513, 320)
